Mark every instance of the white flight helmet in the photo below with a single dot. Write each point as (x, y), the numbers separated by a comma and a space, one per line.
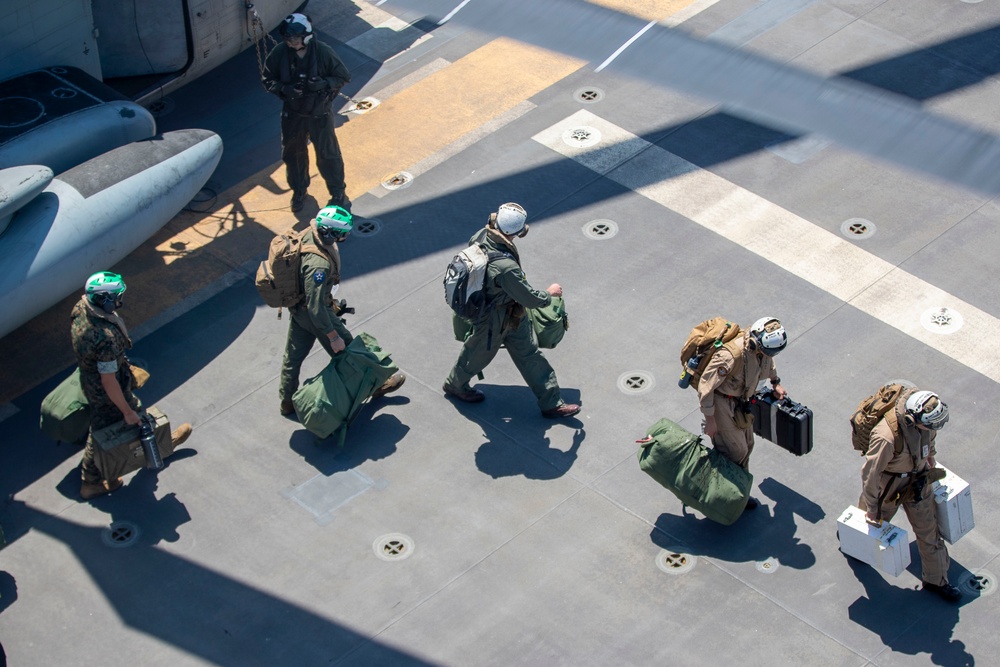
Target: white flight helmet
(297, 25)
(511, 219)
(768, 336)
(925, 407)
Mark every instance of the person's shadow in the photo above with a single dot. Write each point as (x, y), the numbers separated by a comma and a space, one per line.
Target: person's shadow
(368, 439)
(8, 595)
(754, 537)
(908, 620)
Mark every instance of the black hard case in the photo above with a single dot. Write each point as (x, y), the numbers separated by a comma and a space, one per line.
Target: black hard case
(785, 423)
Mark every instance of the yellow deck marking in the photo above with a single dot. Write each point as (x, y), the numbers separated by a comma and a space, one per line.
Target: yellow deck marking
(651, 10)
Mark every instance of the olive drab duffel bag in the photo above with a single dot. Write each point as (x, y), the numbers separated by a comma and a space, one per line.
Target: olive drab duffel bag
(117, 450)
(65, 412)
(699, 476)
(329, 402)
(550, 323)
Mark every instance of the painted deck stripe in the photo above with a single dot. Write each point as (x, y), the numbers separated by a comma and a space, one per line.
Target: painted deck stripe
(792, 243)
(651, 10)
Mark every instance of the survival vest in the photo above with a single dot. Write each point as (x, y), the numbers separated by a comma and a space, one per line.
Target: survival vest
(278, 280)
(873, 408)
(702, 343)
(465, 281)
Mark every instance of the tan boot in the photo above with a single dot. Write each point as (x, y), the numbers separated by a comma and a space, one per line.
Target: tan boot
(140, 375)
(392, 384)
(180, 434)
(90, 490)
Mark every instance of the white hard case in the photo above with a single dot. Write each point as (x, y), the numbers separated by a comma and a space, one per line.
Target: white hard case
(953, 499)
(886, 548)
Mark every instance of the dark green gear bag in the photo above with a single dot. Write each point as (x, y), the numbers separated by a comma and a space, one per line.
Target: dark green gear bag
(550, 323)
(329, 402)
(699, 476)
(65, 412)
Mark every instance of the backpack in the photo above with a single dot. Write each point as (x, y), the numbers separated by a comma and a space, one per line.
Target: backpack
(465, 281)
(703, 342)
(278, 280)
(870, 411)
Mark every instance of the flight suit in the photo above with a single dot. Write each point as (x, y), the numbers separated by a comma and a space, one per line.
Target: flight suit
(100, 341)
(506, 323)
(306, 114)
(731, 378)
(877, 479)
(314, 317)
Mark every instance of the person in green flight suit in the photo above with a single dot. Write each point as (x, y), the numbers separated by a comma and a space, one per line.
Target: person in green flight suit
(315, 317)
(505, 320)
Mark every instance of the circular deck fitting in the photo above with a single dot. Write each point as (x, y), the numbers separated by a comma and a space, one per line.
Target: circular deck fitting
(63, 93)
(636, 382)
(364, 105)
(769, 566)
(161, 107)
(20, 111)
(397, 181)
(858, 228)
(980, 582)
(942, 320)
(58, 70)
(393, 547)
(366, 226)
(675, 561)
(120, 534)
(589, 95)
(600, 230)
(582, 136)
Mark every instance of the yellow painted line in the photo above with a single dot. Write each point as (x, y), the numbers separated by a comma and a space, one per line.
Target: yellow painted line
(651, 10)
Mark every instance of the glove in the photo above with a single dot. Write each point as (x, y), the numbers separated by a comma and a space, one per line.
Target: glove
(289, 91)
(317, 85)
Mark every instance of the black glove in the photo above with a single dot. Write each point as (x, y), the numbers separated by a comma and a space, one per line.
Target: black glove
(289, 91)
(317, 85)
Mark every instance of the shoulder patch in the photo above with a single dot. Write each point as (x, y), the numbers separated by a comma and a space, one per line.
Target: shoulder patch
(722, 372)
(319, 275)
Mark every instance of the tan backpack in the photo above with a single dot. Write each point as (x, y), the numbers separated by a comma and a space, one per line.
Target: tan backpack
(872, 409)
(703, 342)
(278, 280)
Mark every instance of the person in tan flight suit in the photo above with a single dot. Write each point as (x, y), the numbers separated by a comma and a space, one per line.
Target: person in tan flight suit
(890, 479)
(730, 379)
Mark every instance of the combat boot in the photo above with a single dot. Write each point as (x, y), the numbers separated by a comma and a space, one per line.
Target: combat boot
(89, 490)
(468, 396)
(298, 200)
(947, 592)
(180, 434)
(392, 384)
(286, 408)
(561, 411)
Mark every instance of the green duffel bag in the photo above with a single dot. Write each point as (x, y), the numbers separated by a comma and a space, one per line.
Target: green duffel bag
(461, 326)
(329, 402)
(65, 412)
(700, 476)
(550, 323)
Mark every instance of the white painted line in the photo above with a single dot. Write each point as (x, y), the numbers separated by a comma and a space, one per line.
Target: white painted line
(859, 278)
(624, 46)
(683, 15)
(450, 14)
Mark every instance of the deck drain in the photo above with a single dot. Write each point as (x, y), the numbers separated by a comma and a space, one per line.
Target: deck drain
(636, 382)
(582, 136)
(589, 95)
(364, 105)
(393, 547)
(120, 534)
(675, 561)
(161, 107)
(980, 582)
(769, 566)
(942, 320)
(397, 181)
(366, 226)
(600, 229)
(858, 228)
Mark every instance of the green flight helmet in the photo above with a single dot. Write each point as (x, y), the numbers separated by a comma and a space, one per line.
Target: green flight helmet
(334, 223)
(105, 290)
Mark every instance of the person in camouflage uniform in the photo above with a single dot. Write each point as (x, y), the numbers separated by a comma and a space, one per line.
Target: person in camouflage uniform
(316, 316)
(100, 342)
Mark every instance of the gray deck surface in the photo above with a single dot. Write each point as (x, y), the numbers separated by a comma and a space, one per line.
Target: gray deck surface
(530, 541)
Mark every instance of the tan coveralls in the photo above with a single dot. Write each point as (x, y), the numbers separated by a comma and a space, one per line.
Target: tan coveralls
(881, 459)
(731, 377)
